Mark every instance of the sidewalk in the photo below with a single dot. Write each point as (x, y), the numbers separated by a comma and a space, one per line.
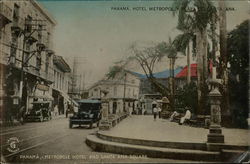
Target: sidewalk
(144, 127)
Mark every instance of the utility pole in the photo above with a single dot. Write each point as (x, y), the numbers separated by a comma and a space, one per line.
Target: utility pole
(124, 92)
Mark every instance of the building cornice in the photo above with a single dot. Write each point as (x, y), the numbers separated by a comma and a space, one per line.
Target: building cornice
(43, 11)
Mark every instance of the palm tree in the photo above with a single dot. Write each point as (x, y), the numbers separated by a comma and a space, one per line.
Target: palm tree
(182, 44)
(223, 54)
(195, 16)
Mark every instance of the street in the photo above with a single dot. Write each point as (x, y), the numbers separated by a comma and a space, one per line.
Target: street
(54, 142)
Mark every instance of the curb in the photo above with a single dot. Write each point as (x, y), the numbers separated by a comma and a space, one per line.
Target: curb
(98, 144)
(144, 142)
(167, 144)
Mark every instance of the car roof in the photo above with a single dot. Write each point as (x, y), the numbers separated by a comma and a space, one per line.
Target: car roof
(40, 102)
(88, 101)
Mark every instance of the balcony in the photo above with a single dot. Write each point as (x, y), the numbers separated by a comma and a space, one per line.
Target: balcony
(17, 24)
(5, 14)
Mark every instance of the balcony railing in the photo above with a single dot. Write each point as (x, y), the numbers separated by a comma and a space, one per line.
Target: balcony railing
(5, 12)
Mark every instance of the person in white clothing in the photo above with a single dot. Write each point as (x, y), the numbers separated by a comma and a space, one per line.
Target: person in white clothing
(159, 111)
(173, 116)
(186, 117)
(155, 110)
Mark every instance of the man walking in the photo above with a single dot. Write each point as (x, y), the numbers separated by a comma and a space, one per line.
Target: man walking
(155, 110)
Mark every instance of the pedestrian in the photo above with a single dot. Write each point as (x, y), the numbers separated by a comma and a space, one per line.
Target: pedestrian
(56, 110)
(172, 117)
(130, 110)
(155, 110)
(159, 111)
(186, 117)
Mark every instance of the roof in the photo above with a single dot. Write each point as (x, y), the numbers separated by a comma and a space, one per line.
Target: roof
(44, 11)
(183, 72)
(88, 101)
(162, 74)
(40, 102)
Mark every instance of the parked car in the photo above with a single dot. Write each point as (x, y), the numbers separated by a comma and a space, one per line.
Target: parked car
(89, 113)
(40, 111)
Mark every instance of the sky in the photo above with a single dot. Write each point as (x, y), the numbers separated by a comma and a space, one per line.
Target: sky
(99, 36)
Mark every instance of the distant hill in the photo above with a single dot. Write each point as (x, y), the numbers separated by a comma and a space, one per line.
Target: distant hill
(163, 74)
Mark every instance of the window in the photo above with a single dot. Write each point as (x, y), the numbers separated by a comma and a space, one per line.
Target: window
(28, 24)
(40, 33)
(27, 54)
(115, 91)
(48, 39)
(38, 60)
(47, 64)
(16, 12)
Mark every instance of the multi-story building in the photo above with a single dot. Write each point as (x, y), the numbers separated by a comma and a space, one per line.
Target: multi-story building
(61, 83)
(122, 91)
(26, 52)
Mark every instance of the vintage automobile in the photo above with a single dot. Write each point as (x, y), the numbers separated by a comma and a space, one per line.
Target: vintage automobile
(89, 113)
(40, 111)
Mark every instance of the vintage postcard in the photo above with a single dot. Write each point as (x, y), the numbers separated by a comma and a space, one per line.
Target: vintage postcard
(124, 81)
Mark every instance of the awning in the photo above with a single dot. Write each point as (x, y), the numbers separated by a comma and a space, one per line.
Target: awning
(65, 96)
(75, 103)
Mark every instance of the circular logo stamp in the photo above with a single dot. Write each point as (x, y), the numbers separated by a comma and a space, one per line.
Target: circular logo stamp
(13, 144)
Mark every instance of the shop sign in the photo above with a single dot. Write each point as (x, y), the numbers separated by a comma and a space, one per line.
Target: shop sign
(42, 87)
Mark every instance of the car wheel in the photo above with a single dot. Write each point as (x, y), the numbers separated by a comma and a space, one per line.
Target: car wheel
(91, 125)
(70, 125)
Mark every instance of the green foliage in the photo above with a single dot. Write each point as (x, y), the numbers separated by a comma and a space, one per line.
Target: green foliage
(182, 40)
(113, 71)
(194, 14)
(238, 56)
(187, 97)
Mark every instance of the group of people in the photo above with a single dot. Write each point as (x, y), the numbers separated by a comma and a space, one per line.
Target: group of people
(186, 117)
(156, 111)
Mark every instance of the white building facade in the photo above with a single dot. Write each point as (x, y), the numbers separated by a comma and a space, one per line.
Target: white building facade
(122, 92)
(60, 86)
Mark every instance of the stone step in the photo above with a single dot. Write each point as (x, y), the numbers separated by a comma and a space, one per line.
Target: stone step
(98, 144)
(164, 144)
(168, 144)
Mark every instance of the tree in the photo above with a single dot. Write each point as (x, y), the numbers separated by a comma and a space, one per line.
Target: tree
(195, 16)
(238, 57)
(187, 97)
(223, 62)
(147, 57)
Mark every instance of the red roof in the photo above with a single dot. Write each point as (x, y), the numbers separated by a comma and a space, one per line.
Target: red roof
(183, 72)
